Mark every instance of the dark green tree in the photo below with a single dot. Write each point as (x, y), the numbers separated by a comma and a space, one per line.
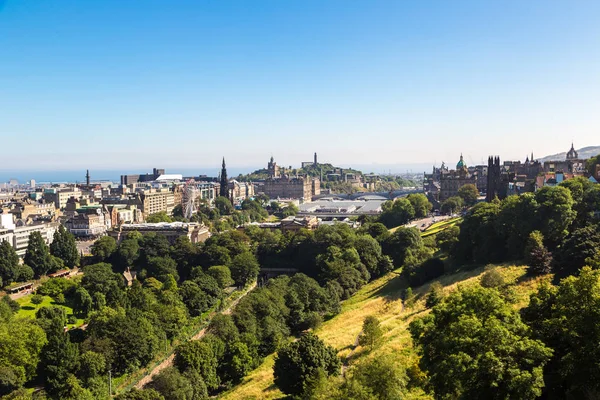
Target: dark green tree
(103, 248)
(64, 247)
(9, 263)
(537, 256)
(474, 345)
(140, 394)
(160, 216)
(397, 212)
(222, 275)
(200, 357)
(300, 361)
(223, 204)
(38, 255)
(555, 213)
(82, 302)
(244, 268)
(567, 319)
(578, 246)
(173, 385)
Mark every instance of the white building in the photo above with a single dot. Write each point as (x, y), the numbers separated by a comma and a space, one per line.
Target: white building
(17, 234)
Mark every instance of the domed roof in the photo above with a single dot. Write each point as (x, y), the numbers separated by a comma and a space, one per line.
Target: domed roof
(461, 163)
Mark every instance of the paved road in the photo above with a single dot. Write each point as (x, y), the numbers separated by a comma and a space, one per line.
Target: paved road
(84, 246)
(424, 223)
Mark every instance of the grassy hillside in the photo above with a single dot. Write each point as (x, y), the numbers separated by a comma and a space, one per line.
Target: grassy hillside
(382, 299)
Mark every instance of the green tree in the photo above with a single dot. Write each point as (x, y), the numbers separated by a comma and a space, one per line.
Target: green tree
(103, 248)
(474, 345)
(160, 216)
(21, 343)
(64, 247)
(140, 394)
(200, 357)
(371, 335)
(223, 205)
(9, 263)
(397, 212)
(221, 274)
(567, 319)
(244, 268)
(382, 377)
(82, 302)
(300, 361)
(537, 256)
(172, 385)
(578, 246)
(555, 213)
(420, 204)
(237, 362)
(290, 210)
(435, 295)
(469, 194)
(452, 205)
(127, 253)
(37, 255)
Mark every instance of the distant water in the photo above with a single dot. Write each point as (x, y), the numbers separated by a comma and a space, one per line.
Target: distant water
(56, 176)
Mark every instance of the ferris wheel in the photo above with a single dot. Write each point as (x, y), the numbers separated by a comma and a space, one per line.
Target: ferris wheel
(189, 196)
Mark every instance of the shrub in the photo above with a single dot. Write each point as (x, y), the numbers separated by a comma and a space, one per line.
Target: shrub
(435, 295)
(492, 279)
(431, 269)
(37, 299)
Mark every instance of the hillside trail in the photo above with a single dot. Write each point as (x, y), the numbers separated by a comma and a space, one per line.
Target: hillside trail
(347, 358)
(168, 362)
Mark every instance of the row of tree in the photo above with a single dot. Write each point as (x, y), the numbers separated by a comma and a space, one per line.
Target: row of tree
(40, 259)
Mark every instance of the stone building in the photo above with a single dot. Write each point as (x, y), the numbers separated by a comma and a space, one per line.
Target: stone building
(287, 187)
(451, 181)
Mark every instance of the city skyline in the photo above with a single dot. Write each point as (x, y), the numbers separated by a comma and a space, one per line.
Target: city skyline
(179, 85)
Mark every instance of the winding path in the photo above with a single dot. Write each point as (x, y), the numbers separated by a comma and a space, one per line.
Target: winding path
(167, 362)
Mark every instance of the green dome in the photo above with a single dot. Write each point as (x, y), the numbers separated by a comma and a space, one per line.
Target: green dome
(461, 163)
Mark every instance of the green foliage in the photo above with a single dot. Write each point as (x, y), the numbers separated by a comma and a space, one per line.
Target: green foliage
(418, 274)
(468, 193)
(223, 205)
(420, 204)
(9, 263)
(56, 286)
(221, 274)
(492, 279)
(21, 342)
(172, 385)
(38, 255)
(447, 239)
(578, 246)
(37, 299)
(64, 247)
(140, 394)
(99, 278)
(383, 377)
(160, 216)
(198, 356)
(244, 268)
(82, 302)
(555, 212)
(435, 295)
(372, 334)
(300, 361)
(537, 255)
(472, 333)
(103, 248)
(567, 319)
(397, 212)
(452, 205)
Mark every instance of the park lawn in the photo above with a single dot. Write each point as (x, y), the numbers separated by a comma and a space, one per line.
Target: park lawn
(28, 309)
(382, 298)
(440, 226)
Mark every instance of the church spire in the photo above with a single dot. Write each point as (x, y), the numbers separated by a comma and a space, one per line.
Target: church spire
(224, 189)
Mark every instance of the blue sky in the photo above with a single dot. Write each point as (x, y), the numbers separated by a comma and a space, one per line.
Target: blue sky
(134, 84)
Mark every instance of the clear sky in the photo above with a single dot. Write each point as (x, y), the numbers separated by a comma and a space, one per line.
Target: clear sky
(135, 84)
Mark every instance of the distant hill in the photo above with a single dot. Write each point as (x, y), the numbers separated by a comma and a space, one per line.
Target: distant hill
(584, 152)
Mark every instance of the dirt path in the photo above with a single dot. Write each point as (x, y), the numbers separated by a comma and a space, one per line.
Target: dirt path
(167, 362)
(347, 358)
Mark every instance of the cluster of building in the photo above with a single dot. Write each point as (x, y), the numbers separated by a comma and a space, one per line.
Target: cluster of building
(501, 179)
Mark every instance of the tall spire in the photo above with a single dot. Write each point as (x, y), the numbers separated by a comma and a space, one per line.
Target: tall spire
(87, 177)
(224, 189)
